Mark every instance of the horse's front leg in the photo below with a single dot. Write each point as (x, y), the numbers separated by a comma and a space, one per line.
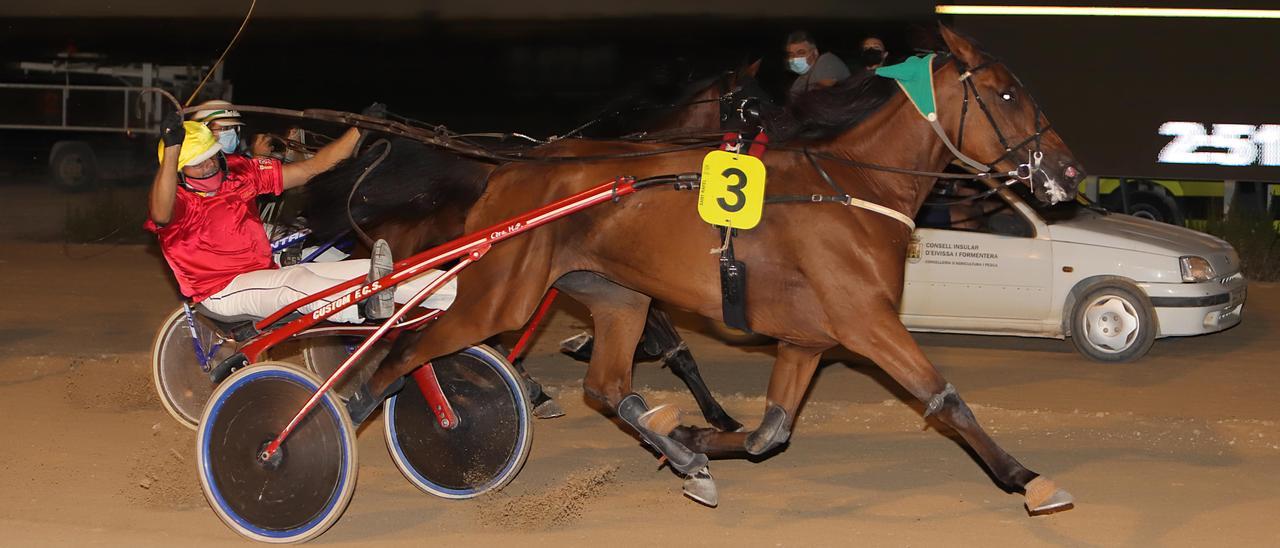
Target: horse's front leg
(893, 349)
(792, 373)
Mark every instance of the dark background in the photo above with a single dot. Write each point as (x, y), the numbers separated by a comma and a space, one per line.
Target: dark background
(1106, 83)
(541, 76)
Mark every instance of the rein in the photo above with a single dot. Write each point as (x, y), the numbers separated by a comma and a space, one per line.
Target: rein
(442, 137)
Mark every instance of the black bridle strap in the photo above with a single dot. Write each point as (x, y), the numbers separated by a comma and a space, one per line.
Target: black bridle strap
(826, 177)
(964, 113)
(966, 77)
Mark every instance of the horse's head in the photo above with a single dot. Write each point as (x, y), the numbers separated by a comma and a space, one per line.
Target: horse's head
(715, 102)
(1006, 129)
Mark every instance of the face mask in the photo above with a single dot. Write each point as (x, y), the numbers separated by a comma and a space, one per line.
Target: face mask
(209, 183)
(798, 65)
(229, 140)
(872, 56)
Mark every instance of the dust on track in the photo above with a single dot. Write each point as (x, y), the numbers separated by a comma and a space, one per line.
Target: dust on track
(557, 505)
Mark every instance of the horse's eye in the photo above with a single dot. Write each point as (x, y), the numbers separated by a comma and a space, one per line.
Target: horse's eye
(1007, 96)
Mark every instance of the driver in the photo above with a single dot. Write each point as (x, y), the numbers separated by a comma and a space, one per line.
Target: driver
(203, 210)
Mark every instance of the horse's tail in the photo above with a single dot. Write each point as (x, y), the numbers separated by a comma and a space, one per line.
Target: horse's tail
(408, 181)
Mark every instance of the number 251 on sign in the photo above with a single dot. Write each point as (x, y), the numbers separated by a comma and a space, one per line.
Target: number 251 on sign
(732, 190)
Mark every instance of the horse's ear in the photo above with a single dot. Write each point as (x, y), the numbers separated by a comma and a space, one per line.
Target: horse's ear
(752, 69)
(962, 48)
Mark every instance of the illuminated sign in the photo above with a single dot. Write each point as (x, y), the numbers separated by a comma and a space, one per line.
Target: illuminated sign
(1104, 11)
(1221, 144)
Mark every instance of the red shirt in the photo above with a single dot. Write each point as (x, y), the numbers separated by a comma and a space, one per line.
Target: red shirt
(211, 239)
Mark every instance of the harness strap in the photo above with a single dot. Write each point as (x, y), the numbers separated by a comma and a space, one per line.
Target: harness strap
(891, 213)
(937, 128)
(845, 200)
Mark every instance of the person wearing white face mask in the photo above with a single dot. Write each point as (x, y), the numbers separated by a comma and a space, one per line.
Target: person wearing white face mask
(813, 69)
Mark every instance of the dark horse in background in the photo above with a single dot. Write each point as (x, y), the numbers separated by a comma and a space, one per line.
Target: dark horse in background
(840, 268)
(415, 198)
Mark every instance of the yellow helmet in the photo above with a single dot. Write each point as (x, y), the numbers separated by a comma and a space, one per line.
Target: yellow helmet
(198, 145)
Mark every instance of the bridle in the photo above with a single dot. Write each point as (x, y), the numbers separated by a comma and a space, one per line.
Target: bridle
(1035, 156)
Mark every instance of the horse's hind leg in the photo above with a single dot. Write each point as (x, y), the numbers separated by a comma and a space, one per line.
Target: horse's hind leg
(676, 355)
(897, 354)
(792, 373)
(660, 340)
(619, 316)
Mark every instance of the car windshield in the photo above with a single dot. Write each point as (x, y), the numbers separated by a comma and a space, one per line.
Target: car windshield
(973, 206)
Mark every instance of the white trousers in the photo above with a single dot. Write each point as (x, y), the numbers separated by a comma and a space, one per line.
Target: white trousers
(262, 292)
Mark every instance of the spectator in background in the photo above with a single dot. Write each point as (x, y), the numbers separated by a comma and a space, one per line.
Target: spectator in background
(873, 52)
(227, 127)
(813, 69)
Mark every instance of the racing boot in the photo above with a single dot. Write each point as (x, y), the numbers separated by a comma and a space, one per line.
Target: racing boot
(382, 304)
(636, 413)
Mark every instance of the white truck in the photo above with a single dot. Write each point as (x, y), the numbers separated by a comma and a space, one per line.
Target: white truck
(89, 119)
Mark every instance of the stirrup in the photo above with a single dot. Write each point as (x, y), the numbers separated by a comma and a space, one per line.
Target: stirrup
(382, 304)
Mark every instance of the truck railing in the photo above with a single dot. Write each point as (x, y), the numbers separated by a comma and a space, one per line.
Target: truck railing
(80, 108)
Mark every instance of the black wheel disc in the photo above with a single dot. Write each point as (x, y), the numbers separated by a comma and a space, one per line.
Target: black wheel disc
(293, 494)
(485, 449)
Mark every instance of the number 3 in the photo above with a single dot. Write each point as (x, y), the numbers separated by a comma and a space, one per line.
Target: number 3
(735, 189)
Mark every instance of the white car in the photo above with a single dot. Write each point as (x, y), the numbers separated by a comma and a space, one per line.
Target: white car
(991, 264)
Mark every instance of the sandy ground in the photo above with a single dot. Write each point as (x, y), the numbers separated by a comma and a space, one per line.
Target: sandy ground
(1179, 449)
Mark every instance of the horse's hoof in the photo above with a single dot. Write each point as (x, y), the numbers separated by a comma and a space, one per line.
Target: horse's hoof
(548, 410)
(578, 346)
(701, 488)
(1044, 497)
(772, 432)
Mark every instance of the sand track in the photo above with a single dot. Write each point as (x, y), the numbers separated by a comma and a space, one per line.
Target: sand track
(1179, 449)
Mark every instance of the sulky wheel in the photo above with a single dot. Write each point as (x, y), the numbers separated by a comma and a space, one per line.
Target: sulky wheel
(182, 384)
(488, 445)
(301, 491)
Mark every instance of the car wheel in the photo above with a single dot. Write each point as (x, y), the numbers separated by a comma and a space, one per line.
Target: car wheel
(73, 166)
(1113, 322)
(1148, 201)
(1155, 206)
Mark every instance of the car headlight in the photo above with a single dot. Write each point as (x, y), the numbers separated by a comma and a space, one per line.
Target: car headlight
(1195, 269)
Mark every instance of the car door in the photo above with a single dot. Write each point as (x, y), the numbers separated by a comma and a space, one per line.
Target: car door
(978, 267)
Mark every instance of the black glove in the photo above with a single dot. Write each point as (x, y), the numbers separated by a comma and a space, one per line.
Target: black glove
(171, 130)
(376, 110)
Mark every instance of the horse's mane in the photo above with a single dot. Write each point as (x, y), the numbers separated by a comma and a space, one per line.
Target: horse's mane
(648, 101)
(414, 180)
(825, 112)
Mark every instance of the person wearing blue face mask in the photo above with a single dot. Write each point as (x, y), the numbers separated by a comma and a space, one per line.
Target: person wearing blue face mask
(224, 122)
(813, 69)
(227, 128)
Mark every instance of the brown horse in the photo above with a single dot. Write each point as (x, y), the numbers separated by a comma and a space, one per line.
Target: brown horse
(821, 275)
(416, 197)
